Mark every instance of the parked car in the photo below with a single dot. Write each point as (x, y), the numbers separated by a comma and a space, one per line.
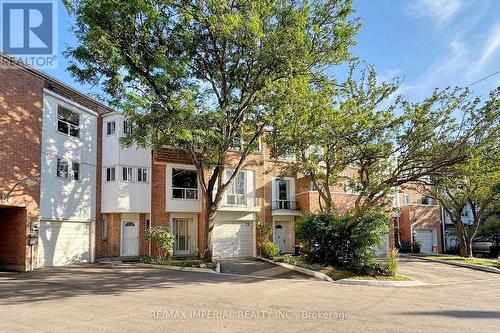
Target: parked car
(481, 246)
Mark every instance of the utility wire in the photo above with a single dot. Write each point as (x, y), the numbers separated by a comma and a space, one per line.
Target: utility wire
(484, 78)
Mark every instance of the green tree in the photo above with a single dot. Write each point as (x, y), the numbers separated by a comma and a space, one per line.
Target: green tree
(474, 185)
(200, 74)
(329, 128)
(163, 238)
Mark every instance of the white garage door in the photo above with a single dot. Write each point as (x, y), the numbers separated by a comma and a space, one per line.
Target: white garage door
(233, 239)
(426, 238)
(63, 243)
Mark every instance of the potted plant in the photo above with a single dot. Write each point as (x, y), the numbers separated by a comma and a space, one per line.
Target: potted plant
(415, 247)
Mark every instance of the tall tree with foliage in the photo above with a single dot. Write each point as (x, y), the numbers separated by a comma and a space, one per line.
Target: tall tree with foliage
(473, 186)
(384, 144)
(200, 74)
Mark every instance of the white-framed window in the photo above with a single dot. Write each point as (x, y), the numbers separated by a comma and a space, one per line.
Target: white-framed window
(236, 192)
(127, 126)
(184, 184)
(406, 199)
(110, 174)
(110, 127)
(67, 169)
(128, 174)
(142, 175)
(68, 122)
(104, 227)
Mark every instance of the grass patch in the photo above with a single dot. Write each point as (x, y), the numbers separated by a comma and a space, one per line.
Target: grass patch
(336, 273)
(181, 262)
(472, 261)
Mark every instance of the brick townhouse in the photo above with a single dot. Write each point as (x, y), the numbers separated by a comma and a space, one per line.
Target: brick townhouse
(82, 196)
(50, 154)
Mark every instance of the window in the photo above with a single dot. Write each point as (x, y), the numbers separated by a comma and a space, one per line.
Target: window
(64, 171)
(282, 194)
(68, 122)
(62, 168)
(427, 200)
(128, 174)
(127, 126)
(110, 174)
(104, 228)
(406, 199)
(236, 192)
(110, 128)
(76, 170)
(142, 175)
(184, 184)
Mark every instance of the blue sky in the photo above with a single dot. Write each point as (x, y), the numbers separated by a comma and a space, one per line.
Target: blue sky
(429, 43)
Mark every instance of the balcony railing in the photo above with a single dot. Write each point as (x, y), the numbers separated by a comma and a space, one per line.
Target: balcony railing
(238, 200)
(184, 193)
(284, 205)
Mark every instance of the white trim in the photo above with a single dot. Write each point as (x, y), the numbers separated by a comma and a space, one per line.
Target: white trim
(72, 103)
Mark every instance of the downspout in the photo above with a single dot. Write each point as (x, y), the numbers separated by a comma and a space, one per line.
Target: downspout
(150, 202)
(443, 230)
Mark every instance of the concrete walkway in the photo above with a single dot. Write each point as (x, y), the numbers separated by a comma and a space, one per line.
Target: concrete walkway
(259, 268)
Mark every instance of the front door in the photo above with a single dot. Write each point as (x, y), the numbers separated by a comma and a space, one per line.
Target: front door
(130, 238)
(279, 237)
(182, 244)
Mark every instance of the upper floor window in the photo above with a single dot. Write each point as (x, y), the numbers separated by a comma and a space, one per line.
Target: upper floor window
(235, 194)
(184, 184)
(110, 174)
(406, 199)
(128, 174)
(427, 200)
(68, 170)
(127, 126)
(68, 122)
(142, 175)
(110, 127)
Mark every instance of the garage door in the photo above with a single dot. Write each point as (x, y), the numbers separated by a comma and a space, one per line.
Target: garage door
(426, 238)
(63, 243)
(233, 239)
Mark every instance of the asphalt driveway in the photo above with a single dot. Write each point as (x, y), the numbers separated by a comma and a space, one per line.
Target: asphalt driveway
(435, 273)
(126, 299)
(259, 268)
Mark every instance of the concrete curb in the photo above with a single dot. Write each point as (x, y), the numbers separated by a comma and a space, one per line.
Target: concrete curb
(459, 264)
(411, 283)
(302, 270)
(180, 268)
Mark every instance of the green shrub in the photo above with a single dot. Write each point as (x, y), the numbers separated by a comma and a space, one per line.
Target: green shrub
(329, 242)
(270, 250)
(393, 262)
(163, 239)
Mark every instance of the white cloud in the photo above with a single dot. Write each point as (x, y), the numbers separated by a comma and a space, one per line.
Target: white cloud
(441, 11)
(464, 63)
(491, 46)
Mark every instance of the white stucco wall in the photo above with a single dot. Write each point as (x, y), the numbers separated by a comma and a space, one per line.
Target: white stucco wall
(118, 195)
(66, 199)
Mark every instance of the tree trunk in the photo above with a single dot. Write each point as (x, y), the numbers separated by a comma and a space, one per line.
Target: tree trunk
(465, 240)
(210, 210)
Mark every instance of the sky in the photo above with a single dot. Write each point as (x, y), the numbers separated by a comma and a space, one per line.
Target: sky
(427, 43)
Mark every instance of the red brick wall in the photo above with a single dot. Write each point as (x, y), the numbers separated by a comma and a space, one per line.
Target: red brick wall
(426, 217)
(21, 99)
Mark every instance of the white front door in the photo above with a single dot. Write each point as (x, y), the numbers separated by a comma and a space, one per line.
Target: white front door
(279, 236)
(182, 244)
(130, 238)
